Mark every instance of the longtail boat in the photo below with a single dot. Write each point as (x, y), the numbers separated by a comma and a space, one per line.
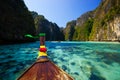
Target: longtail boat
(43, 68)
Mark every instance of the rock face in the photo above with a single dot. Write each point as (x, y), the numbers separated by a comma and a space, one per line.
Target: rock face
(83, 26)
(83, 18)
(113, 27)
(79, 29)
(52, 30)
(69, 30)
(106, 24)
(102, 24)
(110, 32)
(15, 22)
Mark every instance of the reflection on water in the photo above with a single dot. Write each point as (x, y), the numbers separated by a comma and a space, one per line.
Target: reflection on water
(82, 60)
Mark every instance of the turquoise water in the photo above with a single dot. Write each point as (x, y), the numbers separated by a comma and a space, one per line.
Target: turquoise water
(81, 60)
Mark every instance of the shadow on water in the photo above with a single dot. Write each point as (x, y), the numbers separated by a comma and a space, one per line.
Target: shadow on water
(95, 77)
(110, 57)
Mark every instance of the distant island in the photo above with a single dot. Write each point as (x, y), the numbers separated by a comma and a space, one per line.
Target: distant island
(101, 24)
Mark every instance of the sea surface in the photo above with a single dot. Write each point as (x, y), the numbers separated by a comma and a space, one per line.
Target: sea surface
(81, 60)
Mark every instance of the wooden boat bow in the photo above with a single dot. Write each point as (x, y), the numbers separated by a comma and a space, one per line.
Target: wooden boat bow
(43, 68)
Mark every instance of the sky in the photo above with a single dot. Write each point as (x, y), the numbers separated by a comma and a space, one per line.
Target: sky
(61, 11)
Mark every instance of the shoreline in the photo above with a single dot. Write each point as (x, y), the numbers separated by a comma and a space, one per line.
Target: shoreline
(8, 42)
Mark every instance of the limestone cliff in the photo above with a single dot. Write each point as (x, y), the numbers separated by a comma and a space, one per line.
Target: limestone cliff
(79, 29)
(52, 30)
(83, 26)
(69, 30)
(106, 25)
(15, 22)
(101, 24)
(83, 18)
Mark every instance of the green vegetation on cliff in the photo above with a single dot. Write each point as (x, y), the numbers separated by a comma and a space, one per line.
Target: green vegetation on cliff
(52, 30)
(16, 21)
(112, 13)
(83, 32)
(105, 15)
(69, 30)
(102, 24)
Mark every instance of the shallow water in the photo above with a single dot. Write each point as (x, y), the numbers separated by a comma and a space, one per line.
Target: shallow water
(81, 60)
